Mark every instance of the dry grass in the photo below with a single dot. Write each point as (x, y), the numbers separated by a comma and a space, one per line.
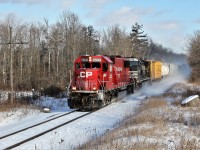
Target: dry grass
(156, 125)
(189, 92)
(8, 110)
(112, 140)
(197, 83)
(180, 91)
(7, 106)
(177, 102)
(143, 114)
(188, 144)
(152, 103)
(184, 90)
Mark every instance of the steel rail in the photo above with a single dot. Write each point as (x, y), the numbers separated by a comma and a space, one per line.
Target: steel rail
(4, 136)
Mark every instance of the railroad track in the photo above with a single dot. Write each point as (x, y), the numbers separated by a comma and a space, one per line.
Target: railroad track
(15, 132)
(27, 139)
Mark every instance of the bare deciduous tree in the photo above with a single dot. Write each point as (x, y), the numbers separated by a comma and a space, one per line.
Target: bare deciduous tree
(115, 41)
(194, 55)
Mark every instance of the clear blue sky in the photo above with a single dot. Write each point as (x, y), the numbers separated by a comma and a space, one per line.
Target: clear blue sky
(167, 22)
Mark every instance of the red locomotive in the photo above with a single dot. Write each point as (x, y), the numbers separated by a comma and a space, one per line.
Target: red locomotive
(98, 79)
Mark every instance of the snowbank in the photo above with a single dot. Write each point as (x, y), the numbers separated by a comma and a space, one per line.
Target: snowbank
(193, 97)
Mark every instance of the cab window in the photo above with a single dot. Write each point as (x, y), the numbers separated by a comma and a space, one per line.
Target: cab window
(96, 65)
(105, 67)
(78, 65)
(86, 65)
(134, 66)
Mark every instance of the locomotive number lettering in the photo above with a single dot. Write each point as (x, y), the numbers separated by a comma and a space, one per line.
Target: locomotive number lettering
(119, 69)
(85, 74)
(96, 60)
(84, 60)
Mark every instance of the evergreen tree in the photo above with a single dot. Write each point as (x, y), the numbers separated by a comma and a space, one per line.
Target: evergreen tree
(138, 40)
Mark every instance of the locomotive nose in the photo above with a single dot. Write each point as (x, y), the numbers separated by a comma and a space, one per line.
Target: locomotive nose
(87, 80)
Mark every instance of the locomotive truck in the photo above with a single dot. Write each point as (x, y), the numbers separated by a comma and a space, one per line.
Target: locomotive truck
(98, 79)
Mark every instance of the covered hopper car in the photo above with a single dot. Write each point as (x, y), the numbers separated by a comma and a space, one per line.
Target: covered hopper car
(98, 79)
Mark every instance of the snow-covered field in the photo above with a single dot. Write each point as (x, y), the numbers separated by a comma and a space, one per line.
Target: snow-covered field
(90, 127)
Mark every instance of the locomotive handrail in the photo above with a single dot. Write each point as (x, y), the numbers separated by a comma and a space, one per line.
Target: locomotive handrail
(68, 91)
(103, 87)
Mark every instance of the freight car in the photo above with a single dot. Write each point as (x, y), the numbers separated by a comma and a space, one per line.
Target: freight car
(98, 79)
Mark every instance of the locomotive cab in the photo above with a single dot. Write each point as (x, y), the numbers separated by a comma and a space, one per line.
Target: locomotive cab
(136, 68)
(91, 72)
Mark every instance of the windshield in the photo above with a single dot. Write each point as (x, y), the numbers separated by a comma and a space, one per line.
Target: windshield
(86, 65)
(133, 65)
(96, 65)
(89, 65)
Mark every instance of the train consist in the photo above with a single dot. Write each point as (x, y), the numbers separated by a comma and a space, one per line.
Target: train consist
(97, 80)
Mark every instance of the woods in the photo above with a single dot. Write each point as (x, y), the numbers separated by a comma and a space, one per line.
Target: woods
(194, 56)
(43, 53)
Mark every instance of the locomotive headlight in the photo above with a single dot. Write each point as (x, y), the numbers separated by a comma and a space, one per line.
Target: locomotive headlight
(90, 59)
(73, 88)
(94, 88)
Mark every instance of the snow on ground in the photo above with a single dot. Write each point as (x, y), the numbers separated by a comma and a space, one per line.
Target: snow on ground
(21, 114)
(169, 126)
(77, 132)
(161, 86)
(182, 88)
(8, 119)
(84, 129)
(81, 130)
(55, 104)
(185, 101)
